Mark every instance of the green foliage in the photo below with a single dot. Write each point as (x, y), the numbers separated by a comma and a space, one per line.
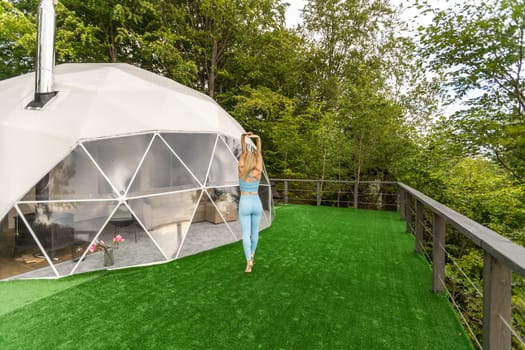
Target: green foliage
(17, 43)
(468, 293)
(480, 45)
(518, 306)
(77, 41)
(483, 191)
(217, 31)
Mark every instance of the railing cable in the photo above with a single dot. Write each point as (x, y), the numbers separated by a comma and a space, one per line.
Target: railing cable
(461, 270)
(424, 249)
(465, 321)
(516, 335)
(429, 259)
(509, 327)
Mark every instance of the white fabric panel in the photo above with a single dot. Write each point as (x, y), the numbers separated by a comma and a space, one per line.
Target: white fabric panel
(25, 156)
(93, 101)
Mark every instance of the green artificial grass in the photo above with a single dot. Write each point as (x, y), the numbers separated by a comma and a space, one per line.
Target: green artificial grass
(18, 293)
(324, 278)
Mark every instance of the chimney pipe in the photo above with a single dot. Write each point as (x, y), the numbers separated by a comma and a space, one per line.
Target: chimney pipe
(45, 55)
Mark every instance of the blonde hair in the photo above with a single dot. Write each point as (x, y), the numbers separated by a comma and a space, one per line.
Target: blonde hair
(250, 161)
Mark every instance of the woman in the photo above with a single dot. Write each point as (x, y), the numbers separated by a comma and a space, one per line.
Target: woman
(250, 206)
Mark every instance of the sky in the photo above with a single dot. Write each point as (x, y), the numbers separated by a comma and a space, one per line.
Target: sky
(293, 12)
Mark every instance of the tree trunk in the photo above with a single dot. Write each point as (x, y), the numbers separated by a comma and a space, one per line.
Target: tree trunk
(112, 45)
(213, 66)
(358, 175)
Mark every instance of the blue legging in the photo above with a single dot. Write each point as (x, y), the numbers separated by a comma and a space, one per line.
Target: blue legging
(250, 211)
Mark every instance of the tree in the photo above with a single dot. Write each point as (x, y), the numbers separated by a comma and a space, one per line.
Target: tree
(349, 35)
(277, 59)
(144, 33)
(480, 48)
(17, 40)
(218, 28)
(358, 61)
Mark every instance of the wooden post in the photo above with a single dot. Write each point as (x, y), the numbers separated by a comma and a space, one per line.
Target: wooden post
(318, 193)
(401, 204)
(438, 254)
(419, 226)
(285, 195)
(408, 213)
(497, 294)
(356, 193)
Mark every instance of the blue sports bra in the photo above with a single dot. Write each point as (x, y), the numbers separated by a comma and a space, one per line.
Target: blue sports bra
(246, 186)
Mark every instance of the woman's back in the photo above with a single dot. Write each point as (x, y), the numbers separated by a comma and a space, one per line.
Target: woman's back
(249, 186)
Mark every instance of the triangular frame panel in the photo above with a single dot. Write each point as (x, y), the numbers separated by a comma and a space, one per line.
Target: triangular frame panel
(223, 168)
(76, 171)
(266, 200)
(119, 157)
(161, 171)
(209, 229)
(137, 248)
(162, 217)
(66, 229)
(34, 253)
(194, 149)
(236, 152)
(233, 144)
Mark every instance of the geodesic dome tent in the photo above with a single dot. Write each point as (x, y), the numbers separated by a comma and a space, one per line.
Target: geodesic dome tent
(118, 150)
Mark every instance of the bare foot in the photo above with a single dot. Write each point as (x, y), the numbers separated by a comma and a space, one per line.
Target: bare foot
(249, 265)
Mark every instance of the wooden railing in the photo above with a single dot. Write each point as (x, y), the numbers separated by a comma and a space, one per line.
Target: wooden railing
(364, 194)
(502, 257)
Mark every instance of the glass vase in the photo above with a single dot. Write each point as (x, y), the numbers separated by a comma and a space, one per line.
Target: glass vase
(109, 258)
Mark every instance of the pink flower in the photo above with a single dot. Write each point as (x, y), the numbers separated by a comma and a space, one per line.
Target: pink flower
(118, 239)
(101, 245)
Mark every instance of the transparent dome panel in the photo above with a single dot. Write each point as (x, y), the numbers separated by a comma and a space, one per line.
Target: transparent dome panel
(75, 177)
(223, 170)
(264, 177)
(161, 172)
(122, 243)
(209, 229)
(195, 150)
(234, 144)
(167, 217)
(265, 194)
(226, 200)
(20, 255)
(65, 230)
(119, 157)
(266, 200)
